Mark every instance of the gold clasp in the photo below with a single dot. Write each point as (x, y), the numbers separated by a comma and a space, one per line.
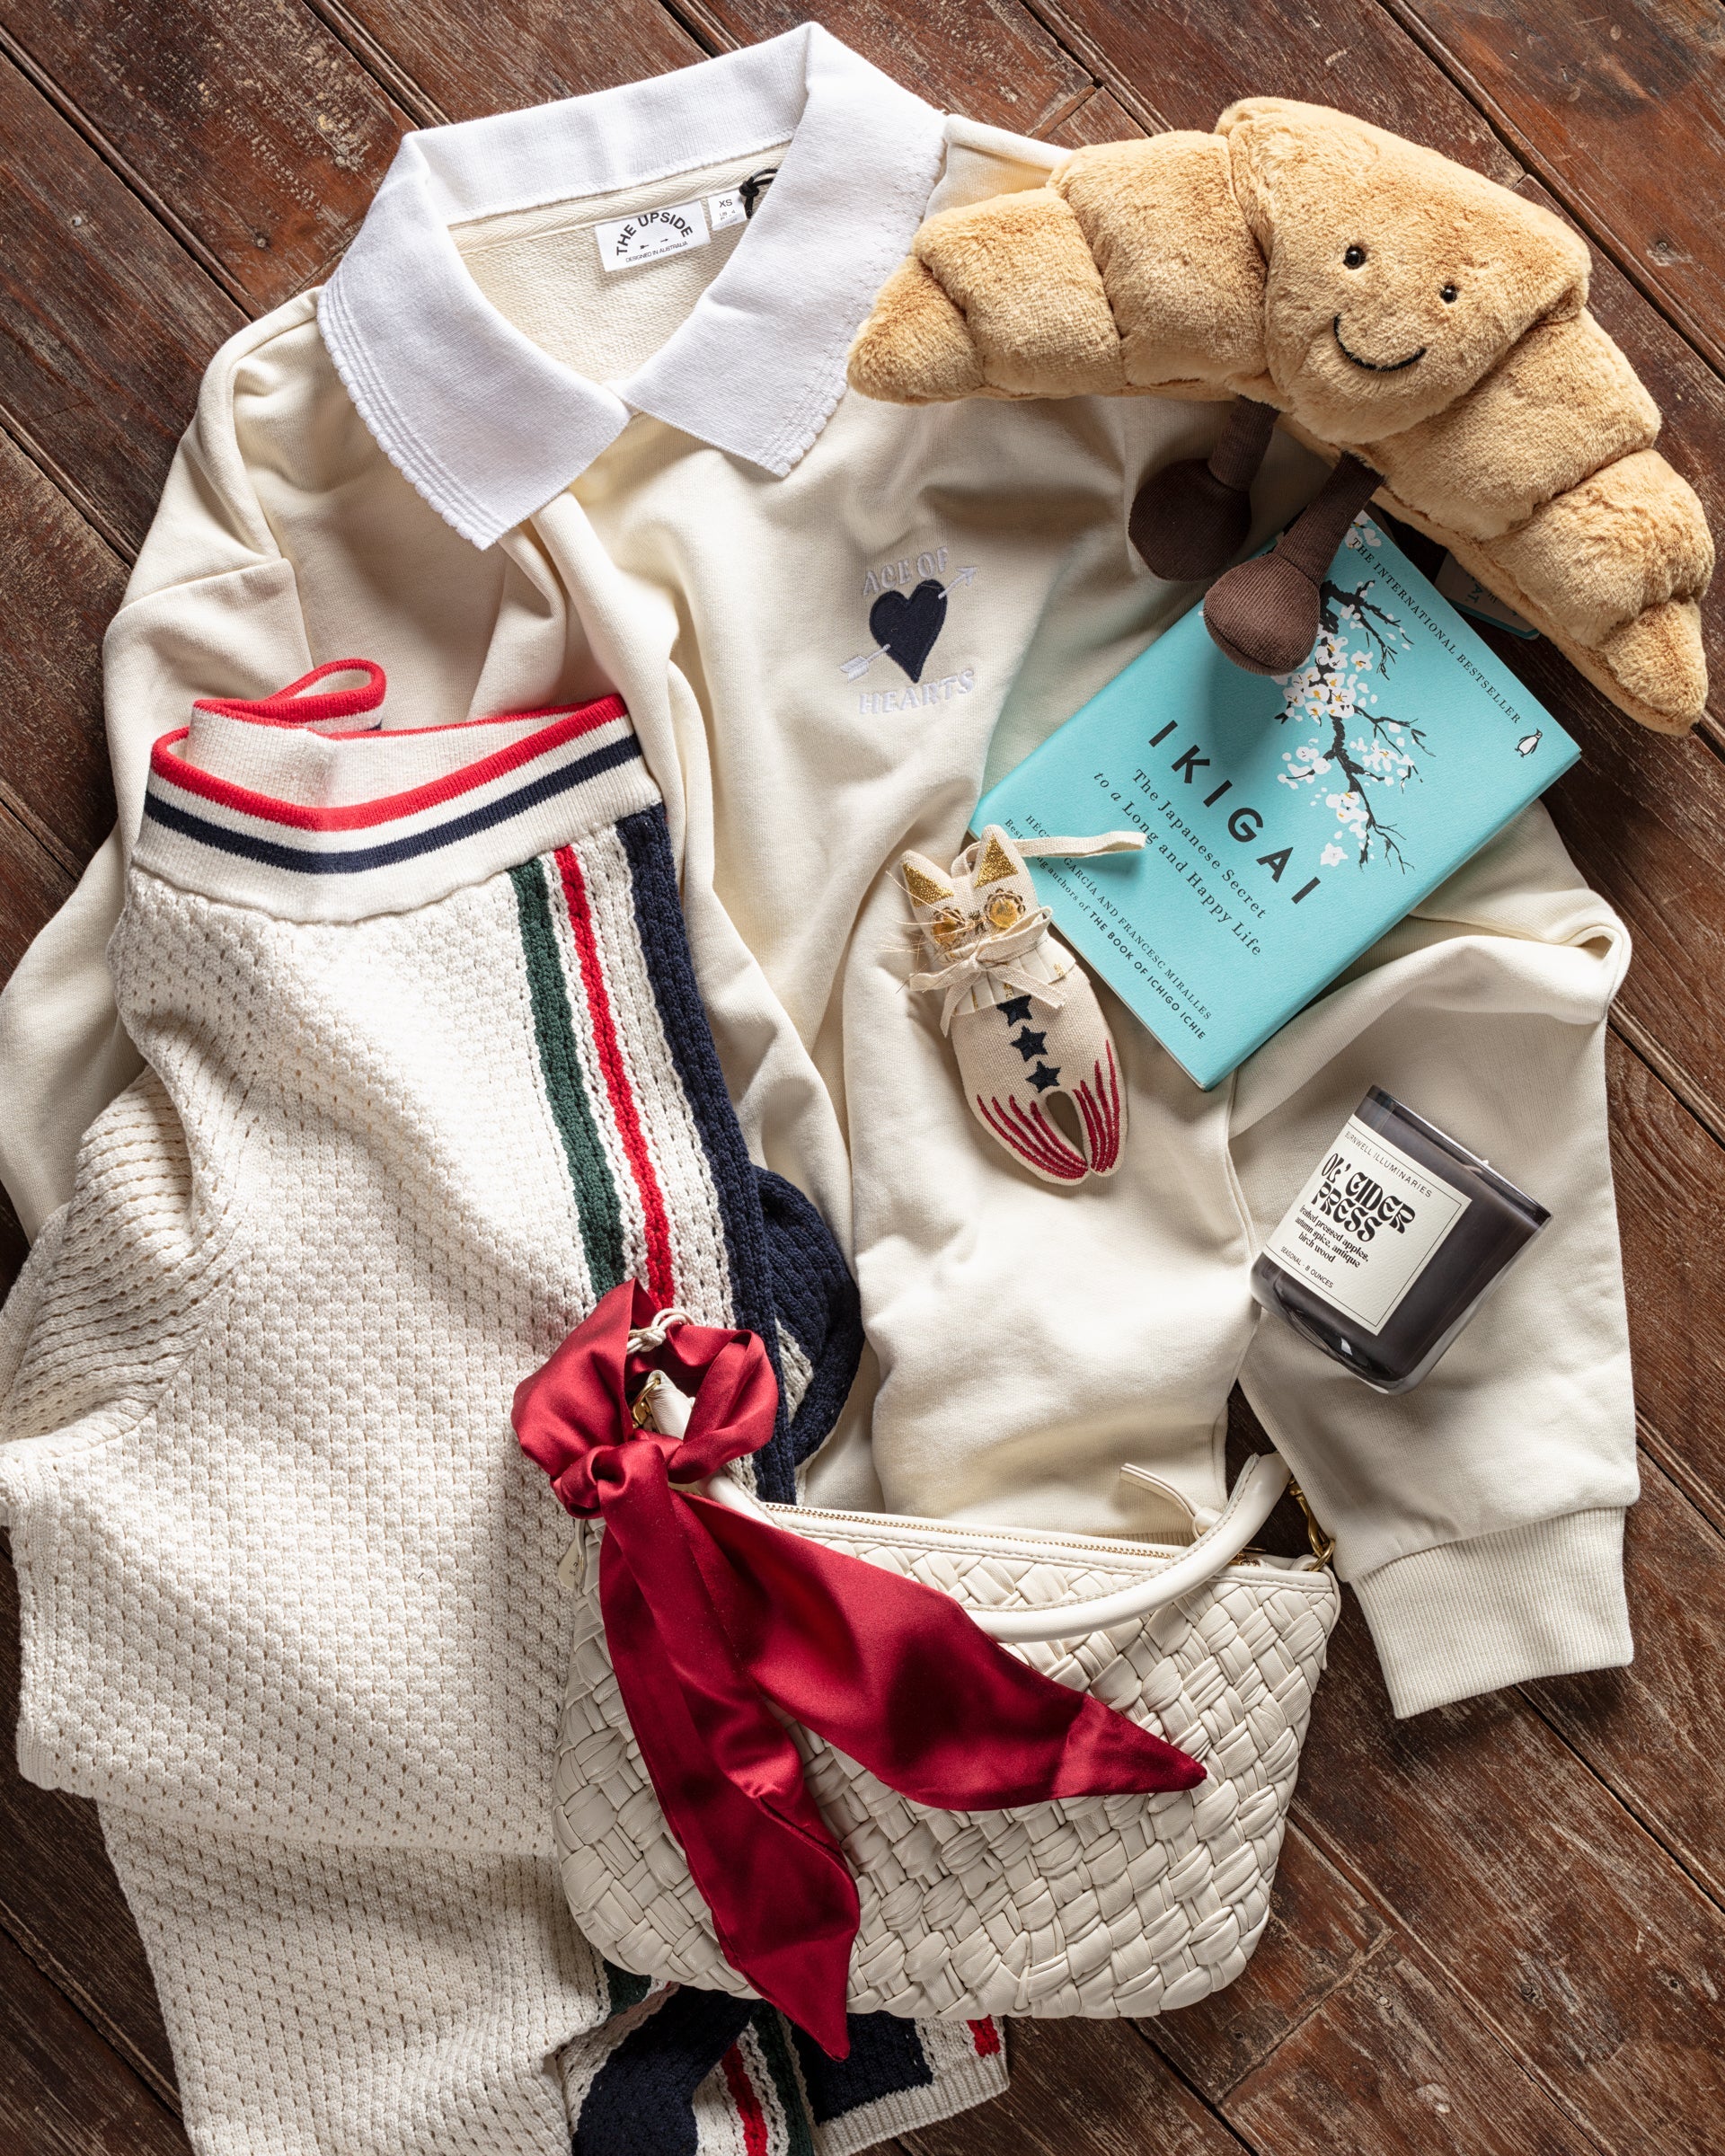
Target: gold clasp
(641, 1413)
(1324, 1546)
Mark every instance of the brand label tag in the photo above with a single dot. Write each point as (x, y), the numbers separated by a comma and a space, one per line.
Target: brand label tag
(651, 235)
(1363, 1228)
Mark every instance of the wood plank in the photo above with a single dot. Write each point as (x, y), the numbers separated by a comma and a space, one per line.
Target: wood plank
(58, 1897)
(1080, 2088)
(254, 129)
(1321, 1932)
(989, 59)
(105, 323)
(1564, 1925)
(59, 588)
(1652, 1729)
(1670, 1178)
(62, 2091)
(1622, 112)
(32, 885)
(1099, 119)
(548, 50)
(1393, 2064)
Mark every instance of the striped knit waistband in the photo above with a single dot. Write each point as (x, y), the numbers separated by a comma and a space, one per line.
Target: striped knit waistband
(304, 804)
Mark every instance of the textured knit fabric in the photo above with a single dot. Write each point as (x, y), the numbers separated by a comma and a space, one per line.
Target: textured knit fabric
(831, 621)
(425, 1074)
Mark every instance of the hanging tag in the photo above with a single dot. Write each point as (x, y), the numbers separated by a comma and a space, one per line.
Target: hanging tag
(651, 235)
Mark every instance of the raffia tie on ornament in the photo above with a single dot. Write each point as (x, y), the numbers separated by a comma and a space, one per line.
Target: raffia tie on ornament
(993, 957)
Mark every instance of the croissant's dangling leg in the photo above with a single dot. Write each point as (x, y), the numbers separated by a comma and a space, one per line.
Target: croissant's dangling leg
(1190, 519)
(1264, 615)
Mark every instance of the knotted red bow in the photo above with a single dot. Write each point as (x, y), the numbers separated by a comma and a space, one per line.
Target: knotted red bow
(709, 1614)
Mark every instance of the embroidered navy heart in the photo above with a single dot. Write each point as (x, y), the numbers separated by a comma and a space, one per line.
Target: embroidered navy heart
(906, 629)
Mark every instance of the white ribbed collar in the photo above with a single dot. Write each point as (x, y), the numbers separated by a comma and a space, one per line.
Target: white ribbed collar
(487, 425)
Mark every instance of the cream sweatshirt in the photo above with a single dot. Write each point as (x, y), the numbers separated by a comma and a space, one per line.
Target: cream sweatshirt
(564, 421)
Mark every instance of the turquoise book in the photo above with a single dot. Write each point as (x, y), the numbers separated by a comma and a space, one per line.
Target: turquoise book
(1289, 822)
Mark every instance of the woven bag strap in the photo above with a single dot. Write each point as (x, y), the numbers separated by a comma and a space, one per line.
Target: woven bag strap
(1251, 1502)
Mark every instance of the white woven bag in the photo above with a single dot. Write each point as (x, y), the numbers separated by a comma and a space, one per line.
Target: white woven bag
(1096, 1905)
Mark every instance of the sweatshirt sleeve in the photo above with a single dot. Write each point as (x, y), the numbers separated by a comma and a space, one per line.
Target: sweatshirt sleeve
(1480, 1517)
(211, 606)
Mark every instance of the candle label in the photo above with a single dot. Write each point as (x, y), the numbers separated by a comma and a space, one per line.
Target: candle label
(1365, 1225)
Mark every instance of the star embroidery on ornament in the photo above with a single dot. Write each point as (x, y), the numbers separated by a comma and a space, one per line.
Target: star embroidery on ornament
(1042, 1077)
(1029, 1044)
(1018, 1012)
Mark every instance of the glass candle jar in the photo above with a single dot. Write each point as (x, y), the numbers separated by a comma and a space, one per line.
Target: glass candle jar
(1389, 1250)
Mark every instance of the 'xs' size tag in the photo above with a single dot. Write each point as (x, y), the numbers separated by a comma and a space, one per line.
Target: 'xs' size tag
(651, 235)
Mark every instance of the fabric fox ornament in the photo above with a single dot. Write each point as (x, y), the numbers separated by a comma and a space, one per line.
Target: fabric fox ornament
(1017, 1006)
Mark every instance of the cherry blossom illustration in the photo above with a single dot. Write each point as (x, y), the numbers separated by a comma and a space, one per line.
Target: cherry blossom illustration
(1364, 753)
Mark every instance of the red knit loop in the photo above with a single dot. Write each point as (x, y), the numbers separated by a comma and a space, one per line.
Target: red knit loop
(710, 1613)
(292, 707)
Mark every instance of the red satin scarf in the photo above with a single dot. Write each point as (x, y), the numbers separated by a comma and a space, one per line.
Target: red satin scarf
(709, 1614)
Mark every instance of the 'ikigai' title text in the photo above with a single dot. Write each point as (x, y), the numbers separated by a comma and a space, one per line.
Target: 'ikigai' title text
(1243, 823)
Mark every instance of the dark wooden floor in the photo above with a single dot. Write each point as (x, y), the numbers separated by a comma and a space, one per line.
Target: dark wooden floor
(1499, 1929)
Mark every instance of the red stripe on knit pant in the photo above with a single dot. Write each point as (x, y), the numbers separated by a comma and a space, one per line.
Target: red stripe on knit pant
(748, 2104)
(660, 1278)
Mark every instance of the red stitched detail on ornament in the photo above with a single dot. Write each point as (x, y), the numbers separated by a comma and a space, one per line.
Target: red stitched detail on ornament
(1100, 1111)
(986, 2036)
(1033, 1138)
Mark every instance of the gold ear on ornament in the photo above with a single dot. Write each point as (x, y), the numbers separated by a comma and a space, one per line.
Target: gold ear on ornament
(922, 888)
(995, 863)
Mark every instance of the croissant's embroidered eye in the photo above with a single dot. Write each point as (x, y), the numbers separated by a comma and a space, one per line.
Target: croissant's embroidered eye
(1447, 294)
(1003, 909)
(1354, 257)
(946, 926)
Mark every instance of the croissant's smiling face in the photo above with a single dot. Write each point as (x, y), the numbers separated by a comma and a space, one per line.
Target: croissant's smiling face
(1395, 281)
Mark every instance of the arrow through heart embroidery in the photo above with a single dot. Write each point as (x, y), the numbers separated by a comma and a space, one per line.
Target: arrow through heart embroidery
(907, 628)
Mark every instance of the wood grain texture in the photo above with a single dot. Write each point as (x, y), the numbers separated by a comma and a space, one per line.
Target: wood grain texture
(1595, 1959)
(1081, 2089)
(1670, 1177)
(1321, 1932)
(1099, 118)
(105, 322)
(989, 59)
(59, 1899)
(254, 128)
(59, 586)
(531, 52)
(1394, 2064)
(1605, 104)
(62, 2091)
(1650, 1730)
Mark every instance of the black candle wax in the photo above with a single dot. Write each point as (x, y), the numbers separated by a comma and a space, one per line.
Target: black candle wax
(1389, 1249)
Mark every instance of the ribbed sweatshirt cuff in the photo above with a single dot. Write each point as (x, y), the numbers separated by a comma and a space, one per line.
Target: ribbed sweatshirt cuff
(1540, 1601)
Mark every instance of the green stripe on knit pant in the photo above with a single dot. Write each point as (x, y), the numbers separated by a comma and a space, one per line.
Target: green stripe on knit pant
(787, 2083)
(553, 1026)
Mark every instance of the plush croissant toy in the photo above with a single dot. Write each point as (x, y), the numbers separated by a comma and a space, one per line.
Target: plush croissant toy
(1416, 324)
